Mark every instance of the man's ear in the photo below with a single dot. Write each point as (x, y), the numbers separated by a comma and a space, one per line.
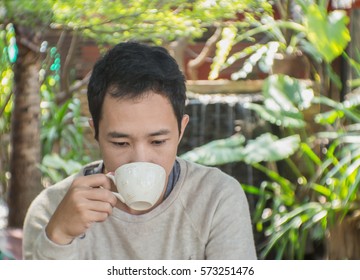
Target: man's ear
(184, 122)
(91, 124)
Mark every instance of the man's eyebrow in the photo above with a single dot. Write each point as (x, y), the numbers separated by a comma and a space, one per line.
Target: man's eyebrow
(160, 132)
(115, 134)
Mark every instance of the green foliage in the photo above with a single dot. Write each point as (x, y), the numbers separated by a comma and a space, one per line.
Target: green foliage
(64, 146)
(266, 147)
(8, 53)
(62, 131)
(355, 64)
(55, 168)
(113, 21)
(62, 126)
(317, 180)
(284, 99)
(107, 22)
(31, 13)
(314, 31)
(313, 176)
(327, 32)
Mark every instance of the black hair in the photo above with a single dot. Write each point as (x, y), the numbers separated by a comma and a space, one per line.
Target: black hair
(130, 70)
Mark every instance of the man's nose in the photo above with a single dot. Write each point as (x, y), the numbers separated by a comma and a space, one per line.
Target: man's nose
(140, 154)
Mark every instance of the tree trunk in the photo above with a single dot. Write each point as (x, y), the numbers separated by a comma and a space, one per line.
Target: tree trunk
(354, 45)
(25, 181)
(177, 50)
(343, 240)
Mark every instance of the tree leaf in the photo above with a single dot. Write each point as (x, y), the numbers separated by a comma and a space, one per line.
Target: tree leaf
(327, 32)
(218, 152)
(267, 147)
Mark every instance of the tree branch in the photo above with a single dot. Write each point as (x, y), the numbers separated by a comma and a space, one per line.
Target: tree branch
(62, 96)
(65, 69)
(91, 26)
(194, 64)
(30, 45)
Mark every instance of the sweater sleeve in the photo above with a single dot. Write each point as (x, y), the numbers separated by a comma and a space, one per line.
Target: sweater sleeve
(45, 249)
(231, 233)
(36, 244)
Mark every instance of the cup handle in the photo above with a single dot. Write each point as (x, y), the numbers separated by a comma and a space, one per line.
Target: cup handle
(118, 195)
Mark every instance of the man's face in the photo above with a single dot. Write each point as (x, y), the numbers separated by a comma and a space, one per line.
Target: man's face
(144, 130)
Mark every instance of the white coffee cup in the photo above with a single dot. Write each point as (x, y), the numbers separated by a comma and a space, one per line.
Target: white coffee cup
(139, 184)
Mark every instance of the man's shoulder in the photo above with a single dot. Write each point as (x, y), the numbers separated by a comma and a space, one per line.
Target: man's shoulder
(206, 190)
(207, 178)
(203, 171)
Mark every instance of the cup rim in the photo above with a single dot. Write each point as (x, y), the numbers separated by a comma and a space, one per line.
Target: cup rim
(136, 163)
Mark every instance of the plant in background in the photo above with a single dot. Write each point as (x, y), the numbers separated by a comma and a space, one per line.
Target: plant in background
(300, 27)
(64, 146)
(8, 50)
(106, 23)
(313, 175)
(313, 178)
(355, 64)
(62, 135)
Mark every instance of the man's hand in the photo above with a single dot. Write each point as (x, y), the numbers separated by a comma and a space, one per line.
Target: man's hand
(88, 200)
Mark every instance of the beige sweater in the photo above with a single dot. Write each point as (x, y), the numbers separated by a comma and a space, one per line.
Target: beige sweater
(206, 216)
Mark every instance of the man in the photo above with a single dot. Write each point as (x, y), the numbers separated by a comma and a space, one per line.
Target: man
(136, 98)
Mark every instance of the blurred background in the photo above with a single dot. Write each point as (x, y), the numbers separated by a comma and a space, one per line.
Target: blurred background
(273, 99)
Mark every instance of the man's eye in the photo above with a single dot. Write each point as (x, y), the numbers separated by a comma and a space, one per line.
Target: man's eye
(121, 144)
(158, 142)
